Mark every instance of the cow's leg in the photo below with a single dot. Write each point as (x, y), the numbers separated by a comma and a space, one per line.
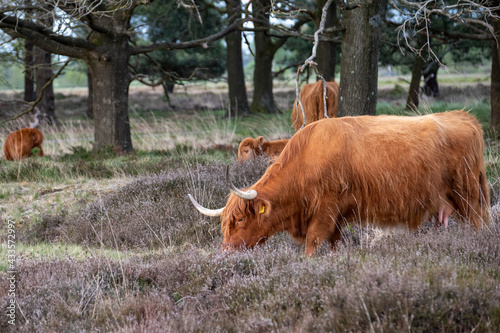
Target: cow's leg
(466, 201)
(313, 240)
(41, 150)
(335, 237)
(320, 228)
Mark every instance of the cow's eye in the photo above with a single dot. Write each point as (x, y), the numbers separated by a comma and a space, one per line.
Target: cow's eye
(239, 221)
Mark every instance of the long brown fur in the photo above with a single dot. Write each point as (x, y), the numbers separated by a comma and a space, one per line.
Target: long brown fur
(20, 143)
(381, 170)
(250, 147)
(311, 96)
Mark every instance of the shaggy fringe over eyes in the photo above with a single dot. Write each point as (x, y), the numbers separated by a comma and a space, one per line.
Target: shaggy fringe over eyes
(236, 207)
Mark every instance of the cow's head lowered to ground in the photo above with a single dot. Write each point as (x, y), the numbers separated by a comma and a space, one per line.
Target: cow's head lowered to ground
(382, 170)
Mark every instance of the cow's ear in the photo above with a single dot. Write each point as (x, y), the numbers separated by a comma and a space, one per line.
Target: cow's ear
(262, 208)
(259, 141)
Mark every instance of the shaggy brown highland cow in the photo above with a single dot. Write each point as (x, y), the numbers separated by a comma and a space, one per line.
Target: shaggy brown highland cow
(311, 96)
(380, 170)
(19, 144)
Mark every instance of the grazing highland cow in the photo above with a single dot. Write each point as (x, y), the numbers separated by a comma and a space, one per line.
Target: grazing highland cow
(311, 96)
(19, 144)
(250, 147)
(382, 170)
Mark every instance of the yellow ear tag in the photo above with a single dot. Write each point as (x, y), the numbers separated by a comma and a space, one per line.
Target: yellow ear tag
(262, 209)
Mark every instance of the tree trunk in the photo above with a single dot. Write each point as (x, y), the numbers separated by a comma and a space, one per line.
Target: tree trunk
(44, 74)
(495, 77)
(234, 61)
(29, 84)
(416, 76)
(359, 61)
(495, 84)
(431, 86)
(90, 110)
(263, 100)
(326, 53)
(108, 67)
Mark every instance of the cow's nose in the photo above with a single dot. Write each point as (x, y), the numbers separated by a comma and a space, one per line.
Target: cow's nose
(227, 247)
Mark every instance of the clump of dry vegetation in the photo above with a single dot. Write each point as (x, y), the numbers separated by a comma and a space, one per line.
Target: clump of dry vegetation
(113, 244)
(440, 281)
(151, 212)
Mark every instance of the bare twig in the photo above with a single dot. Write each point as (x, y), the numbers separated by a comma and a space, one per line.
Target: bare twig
(417, 14)
(309, 62)
(181, 3)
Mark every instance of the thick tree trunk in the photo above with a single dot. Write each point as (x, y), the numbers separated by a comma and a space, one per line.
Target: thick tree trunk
(44, 74)
(359, 61)
(326, 54)
(110, 84)
(29, 84)
(495, 85)
(431, 85)
(108, 66)
(234, 62)
(416, 76)
(263, 100)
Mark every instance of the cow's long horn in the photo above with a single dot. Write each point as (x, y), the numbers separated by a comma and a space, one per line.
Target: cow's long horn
(247, 195)
(205, 211)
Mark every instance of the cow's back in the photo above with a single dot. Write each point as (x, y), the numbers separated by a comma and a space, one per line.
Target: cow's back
(394, 167)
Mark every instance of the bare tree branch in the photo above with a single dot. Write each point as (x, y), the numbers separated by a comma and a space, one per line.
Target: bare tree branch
(39, 97)
(309, 62)
(203, 42)
(472, 14)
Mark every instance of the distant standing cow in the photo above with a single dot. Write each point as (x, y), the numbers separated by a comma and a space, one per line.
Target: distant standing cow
(250, 147)
(311, 96)
(382, 170)
(19, 144)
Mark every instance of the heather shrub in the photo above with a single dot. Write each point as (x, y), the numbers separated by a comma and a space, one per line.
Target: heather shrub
(154, 210)
(445, 280)
(46, 229)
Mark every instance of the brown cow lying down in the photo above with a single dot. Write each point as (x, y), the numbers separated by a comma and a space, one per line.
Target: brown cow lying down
(382, 170)
(250, 147)
(311, 96)
(19, 144)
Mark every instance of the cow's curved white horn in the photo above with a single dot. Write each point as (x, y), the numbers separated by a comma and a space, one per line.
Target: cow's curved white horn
(205, 211)
(246, 195)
